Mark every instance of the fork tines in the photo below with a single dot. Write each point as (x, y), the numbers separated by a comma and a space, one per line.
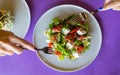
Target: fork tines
(48, 50)
(78, 19)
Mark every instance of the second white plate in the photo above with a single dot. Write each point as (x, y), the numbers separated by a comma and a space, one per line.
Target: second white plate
(20, 10)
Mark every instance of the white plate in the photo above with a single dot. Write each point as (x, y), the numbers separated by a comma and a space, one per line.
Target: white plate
(20, 10)
(63, 11)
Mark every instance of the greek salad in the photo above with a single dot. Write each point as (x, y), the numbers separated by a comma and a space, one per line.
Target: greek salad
(67, 40)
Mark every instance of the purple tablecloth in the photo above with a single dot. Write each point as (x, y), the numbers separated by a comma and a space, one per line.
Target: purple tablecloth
(106, 63)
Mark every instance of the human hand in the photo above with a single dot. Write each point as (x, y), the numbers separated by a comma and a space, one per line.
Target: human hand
(112, 4)
(9, 44)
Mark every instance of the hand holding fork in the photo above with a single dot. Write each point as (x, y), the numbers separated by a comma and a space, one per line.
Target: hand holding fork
(109, 5)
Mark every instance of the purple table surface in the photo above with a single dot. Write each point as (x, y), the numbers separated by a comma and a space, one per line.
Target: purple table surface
(106, 63)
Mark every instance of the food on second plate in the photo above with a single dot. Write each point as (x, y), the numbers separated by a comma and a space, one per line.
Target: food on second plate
(68, 40)
(6, 20)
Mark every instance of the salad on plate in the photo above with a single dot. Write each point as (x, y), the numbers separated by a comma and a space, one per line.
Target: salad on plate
(66, 39)
(6, 20)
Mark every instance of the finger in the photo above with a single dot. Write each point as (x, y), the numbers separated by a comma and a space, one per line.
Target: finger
(23, 43)
(112, 5)
(12, 47)
(4, 51)
(117, 8)
(2, 54)
(16, 49)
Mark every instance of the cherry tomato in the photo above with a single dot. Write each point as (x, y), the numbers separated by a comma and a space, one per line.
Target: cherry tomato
(80, 49)
(57, 28)
(74, 30)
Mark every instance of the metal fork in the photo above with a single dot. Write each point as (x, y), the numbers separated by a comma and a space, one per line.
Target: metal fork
(81, 17)
(78, 19)
(97, 10)
(47, 50)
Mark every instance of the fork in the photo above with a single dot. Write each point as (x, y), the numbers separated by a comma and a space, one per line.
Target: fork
(80, 18)
(97, 10)
(47, 50)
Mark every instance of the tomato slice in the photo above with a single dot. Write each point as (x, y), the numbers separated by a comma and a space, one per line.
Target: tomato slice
(80, 49)
(80, 37)
(50, 44)
(58, 53)
(71, 37)
(57, 28)
(74, 30)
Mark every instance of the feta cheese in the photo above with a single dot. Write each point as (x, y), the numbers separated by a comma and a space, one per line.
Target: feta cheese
(69, 45)
(65, 31)
(81, 31)
(76, 55)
